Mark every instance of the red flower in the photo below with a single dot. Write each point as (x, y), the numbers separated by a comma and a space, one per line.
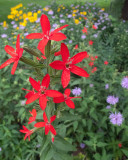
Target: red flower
(45, 36)
(120, 145)
(15, 53)
(106, 62)
(76, 46)
(85, 30)
(92, 58)
(47, 124)
(91, 64)
(57, 53)
(27, 131)
(96, 57)
(91, 42)
(41, 92)
(34, 114)
(65, 98)
(94, 27)
(94, 69)
(38, 58)
(68, 65)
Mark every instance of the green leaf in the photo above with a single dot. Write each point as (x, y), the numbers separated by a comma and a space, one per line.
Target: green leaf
(101, 144)
(75, 125)
(125, 152)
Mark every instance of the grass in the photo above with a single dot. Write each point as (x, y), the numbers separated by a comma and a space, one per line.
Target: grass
(5, 5)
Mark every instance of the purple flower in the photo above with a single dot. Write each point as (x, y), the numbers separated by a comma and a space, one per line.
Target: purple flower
(21, 27)
(15, 25)
(61, 15)
(50, 12)
(53, 17)
(70, 41)
(124, 82)
(54, 25)
(83, 36)
(82, 145)
(95, 35)
(38, 20)
(3, 35)
(106, 86)
(12, 22)
(116, 118)
(21, 43)
(69, 16)
(76, 91)
(25, 34)
(91, 85)
(71, 29)
(0, 149)
(62, 21)
(112, 100)
(108, 107)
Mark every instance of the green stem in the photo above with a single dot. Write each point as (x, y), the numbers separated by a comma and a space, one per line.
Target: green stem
(30, 62)
(31, 51)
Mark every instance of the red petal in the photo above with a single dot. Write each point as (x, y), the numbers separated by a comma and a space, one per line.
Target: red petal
(10, 50)
(43, 102)
(67, 92)
(78, 57)
(45, 117)
(39, 124)
(58, 37)
(59, 65)
(14, 67)
(53, 93)
(65, 78)
(57, 53)
(70, 103)
(18, 43)
(46, 129)
(64, 52)
(58, 29)
(46, 81)
(34, 36)
(20, 52)
(45, 24)
(52, 118)
(58, 99)
(32, 98)
(42, 44)
(34, 84)
(25, 128)
(79, 71)
(52, 129)
(11, 60)
(28, 95)
(34, 113)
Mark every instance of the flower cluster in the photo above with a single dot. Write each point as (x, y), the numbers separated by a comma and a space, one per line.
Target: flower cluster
(42, 90)
(116, 118)
(112, 100)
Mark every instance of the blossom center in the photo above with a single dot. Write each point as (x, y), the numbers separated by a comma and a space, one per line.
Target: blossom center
(42, 89)
(68, 63)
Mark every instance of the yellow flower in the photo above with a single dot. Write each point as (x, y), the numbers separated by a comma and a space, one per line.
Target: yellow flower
(84, 13)
(58, 10)
(46, 9)
(14, 36)
(20, 12)
(22, 37)
(103, 9)
(80, 18)
(73, 14)
(17, 15)
(76, 21)
(20, 17)
(63, 8)
(16, 19)
(29, 14)
(81, 13)
(13, 42)
(4, 24)
(39, 12)
(17, 28)
(73, 7)
(10, 17)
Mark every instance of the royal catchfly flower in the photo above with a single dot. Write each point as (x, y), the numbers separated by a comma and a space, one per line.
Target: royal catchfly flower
(85, 30)
(91, 42)
(124, 82)
(112, 100)
(15, 53)
(47, 124)
(65, 98)
(76, 91)
(34, 114)
(106, 62)
(68, 65)
(42, 92)
(116, 118)
(27, 131)
(45, 36)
